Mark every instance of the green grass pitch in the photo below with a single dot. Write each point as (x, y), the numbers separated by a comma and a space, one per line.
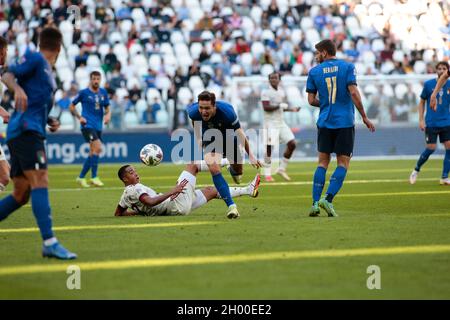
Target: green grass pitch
(274, 251)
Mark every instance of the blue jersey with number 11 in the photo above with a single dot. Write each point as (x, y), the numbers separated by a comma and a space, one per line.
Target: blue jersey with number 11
(331, 79)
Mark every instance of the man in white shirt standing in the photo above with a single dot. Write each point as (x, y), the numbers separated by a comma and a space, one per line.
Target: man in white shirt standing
(276, 131)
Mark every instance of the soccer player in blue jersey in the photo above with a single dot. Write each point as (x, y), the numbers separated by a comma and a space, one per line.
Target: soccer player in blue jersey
(219, 115)
(95, 110)
(33, 95)
(335, 82)
(437, 121)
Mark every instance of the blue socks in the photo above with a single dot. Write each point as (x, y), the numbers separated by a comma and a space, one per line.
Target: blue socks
(423, 158)
(446, 167)
(94, 165)
(42, 212)
(336, 182)
(86, 167)
(223, 189)
(318, 183)
(7, 206)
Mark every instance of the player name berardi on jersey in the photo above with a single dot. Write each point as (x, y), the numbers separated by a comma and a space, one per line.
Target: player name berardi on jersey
(330, 69)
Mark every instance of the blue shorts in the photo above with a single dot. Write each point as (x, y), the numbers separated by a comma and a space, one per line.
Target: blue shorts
(27, 152)
(229, 148)
(91, 135)
(432, 133)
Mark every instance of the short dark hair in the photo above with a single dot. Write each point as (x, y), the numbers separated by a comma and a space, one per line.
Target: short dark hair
(122, 171)
(207, 96)
(95, 73)
(443, 63)
(50, 39)
(274, 73)
(3, 43)
(326, 45)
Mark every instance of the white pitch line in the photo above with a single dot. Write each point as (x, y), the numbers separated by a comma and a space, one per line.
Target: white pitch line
(113, 226)
(223, 259)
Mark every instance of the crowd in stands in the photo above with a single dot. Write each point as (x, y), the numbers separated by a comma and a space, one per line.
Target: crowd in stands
(155, 56)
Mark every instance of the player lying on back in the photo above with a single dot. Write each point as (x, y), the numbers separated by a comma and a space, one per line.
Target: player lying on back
(138, 199)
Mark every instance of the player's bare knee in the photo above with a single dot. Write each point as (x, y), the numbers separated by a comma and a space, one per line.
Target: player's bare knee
(210, 193)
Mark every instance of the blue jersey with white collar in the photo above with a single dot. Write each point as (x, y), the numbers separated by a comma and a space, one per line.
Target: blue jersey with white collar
(331, 79)
(93, 105)
(440, 117)
(34, 75)
(225, 117)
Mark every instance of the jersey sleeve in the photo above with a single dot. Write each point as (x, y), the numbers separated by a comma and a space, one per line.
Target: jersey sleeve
(232, 117)
(77, 98)
(123, 202)
(25, 67)
(351, 75)
(310, 84)
(139, 191)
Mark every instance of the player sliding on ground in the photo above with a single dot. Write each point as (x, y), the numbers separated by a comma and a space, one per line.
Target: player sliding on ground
(138, 199)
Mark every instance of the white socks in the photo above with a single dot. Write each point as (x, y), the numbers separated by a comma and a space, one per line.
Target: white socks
(203, 167)
(2, 187)
(237, 192)
(50, 242)
(283, 163)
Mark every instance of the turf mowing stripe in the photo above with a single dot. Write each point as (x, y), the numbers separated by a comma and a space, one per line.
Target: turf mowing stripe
(113, 226)
(295, 183)
(238, 258)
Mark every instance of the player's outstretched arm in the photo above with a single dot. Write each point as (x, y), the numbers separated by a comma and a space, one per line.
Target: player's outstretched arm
(441, 81)
(312, 99)
(121, 212)
(356, 98)
(20, 97)
(154, 201)
(268, 107)
(242, 137)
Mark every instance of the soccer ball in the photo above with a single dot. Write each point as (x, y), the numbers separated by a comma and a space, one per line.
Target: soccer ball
(151, 155)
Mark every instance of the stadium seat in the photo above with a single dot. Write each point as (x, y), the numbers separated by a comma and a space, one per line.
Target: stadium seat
(256, 13)
(176, 37)
(306, 23)
(151, 94)
(267, 69)
(195, 82)
(131, 119)
(420, 67)
(67, 121)
(184, 96)
(132, 82)
(267, 34)
(257, 49)
(297, 69)
(195, 49)
(65, 74)
(276, 23)
(93, 61)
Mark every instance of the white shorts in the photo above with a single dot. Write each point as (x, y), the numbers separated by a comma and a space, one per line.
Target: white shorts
(277, 134)
(181, 204)
(2, 154)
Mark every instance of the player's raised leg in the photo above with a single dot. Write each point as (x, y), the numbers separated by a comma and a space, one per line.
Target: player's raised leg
(40, 204)
(446, 163)
(319, 182)
(429, 150)
(17, 199)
